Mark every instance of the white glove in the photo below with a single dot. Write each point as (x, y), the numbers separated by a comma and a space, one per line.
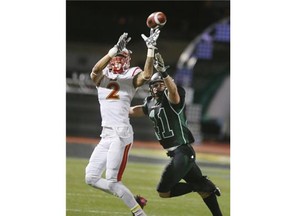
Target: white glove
(121, 44)
(151, 40)
(159, 63)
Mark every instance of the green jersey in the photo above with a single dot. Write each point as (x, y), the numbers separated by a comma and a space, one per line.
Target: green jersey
(170, 122)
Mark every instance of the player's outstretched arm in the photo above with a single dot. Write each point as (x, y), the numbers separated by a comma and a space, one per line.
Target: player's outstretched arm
(136, 111)
(96, 74)
(151, 43)
(159, 65)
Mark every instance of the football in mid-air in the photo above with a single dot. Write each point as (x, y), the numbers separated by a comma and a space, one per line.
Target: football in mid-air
(156, 19)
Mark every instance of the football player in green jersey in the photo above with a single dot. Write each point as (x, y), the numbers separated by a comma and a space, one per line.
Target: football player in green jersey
(166, 108)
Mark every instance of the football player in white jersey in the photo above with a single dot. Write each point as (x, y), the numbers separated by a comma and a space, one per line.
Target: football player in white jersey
(117, 83)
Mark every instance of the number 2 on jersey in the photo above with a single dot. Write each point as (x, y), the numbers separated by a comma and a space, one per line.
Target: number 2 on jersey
(115, 89)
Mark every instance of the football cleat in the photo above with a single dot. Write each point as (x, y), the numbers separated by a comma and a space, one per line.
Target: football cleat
(217, 191)
(141, 201)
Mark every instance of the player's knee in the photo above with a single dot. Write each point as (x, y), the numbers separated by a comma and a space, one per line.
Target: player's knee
(164, 195)
(91, 180)
(203, 185)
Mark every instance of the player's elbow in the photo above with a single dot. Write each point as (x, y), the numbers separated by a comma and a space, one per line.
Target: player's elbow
(174, 100)
(147, 76)
(94, 74)
(91, 75)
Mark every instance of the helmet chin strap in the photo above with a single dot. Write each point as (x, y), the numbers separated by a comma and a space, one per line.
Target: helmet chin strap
(159, 94)
(117, 68)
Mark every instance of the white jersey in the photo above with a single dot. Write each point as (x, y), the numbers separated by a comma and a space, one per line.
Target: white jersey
(115, 94)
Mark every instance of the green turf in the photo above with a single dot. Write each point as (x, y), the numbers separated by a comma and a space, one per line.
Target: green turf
(83, 200)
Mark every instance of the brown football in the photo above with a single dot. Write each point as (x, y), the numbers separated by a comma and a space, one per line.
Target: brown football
(156, 19)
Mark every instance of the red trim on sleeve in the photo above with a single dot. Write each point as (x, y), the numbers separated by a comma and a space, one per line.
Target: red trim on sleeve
(133, 73)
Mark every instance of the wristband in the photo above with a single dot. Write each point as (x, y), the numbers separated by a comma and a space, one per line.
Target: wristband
(164, 74)
(112, 52)
(150, 53)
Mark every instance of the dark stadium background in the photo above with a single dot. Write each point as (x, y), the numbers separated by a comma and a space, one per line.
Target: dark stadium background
(92, 21)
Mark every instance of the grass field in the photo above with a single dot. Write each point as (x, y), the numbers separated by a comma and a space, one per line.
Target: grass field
(141, 178)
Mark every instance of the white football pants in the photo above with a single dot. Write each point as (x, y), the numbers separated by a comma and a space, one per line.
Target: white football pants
(111, 154)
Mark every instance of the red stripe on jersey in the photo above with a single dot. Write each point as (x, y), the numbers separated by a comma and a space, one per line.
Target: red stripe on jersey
(135, 71)
(124, 162)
